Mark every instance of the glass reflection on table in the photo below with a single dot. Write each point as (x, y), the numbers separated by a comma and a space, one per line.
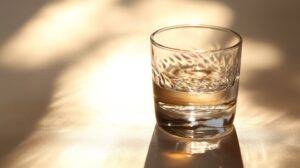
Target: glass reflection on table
(170, 151)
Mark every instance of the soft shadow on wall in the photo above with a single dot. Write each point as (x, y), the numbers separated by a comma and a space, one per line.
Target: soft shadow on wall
(278, 23)
(15, 13)
(27, 82)
(18, 112)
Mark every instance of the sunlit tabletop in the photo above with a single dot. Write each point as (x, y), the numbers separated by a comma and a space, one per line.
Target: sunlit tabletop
(76, 90)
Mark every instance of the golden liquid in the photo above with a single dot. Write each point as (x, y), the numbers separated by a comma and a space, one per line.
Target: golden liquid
(194, 98)
(195, 114)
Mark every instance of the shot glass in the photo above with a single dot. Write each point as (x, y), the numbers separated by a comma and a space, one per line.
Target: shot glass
(195, 72)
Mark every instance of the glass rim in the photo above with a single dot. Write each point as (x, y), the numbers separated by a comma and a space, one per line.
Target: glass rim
(238, 43)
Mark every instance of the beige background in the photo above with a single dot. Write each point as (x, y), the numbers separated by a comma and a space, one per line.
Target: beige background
(75, 80)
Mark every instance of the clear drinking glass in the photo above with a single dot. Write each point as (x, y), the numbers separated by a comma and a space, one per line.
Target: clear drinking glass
(195, 71)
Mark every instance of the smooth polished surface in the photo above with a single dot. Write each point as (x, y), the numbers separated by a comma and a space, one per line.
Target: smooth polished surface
(76, 90)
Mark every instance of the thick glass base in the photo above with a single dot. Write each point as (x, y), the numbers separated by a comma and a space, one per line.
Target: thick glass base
(196, 121)
(198, 133)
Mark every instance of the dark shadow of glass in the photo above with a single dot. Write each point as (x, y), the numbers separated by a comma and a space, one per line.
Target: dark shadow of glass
(168, 151)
